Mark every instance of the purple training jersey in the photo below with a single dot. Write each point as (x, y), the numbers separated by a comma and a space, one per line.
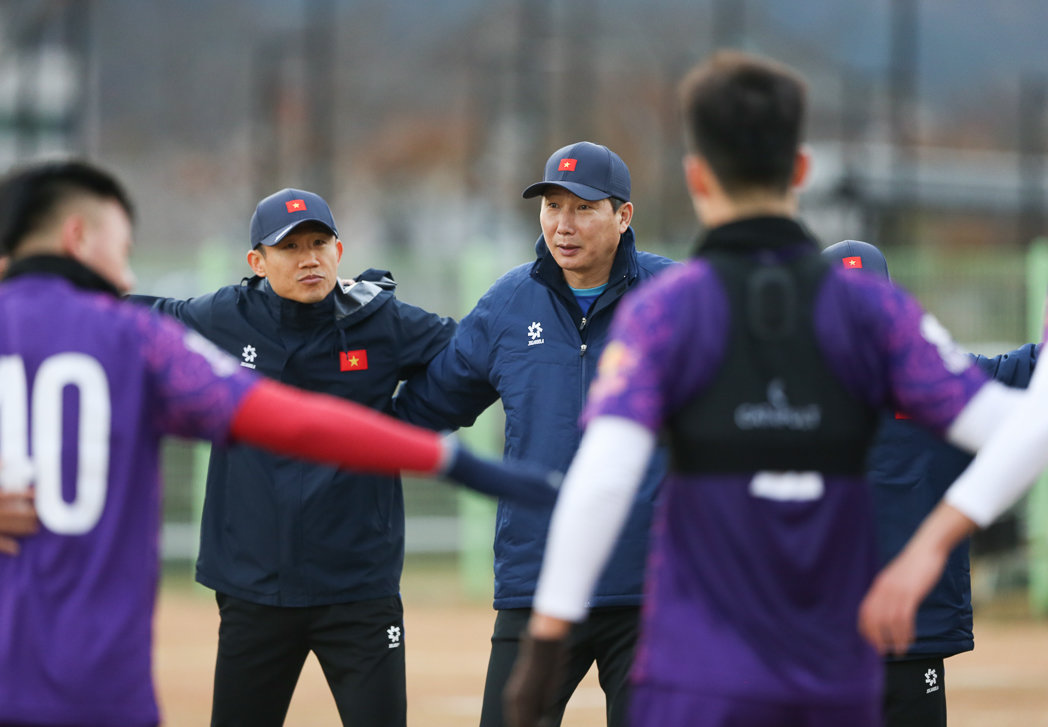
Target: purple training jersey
(88, 384)
(754, 580)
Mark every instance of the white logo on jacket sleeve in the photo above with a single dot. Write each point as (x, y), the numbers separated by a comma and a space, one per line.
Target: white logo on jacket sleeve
(535, 334)
(953, 356)
(221, 362)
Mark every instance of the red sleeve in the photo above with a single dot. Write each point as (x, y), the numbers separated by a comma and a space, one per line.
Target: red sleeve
(333, 431)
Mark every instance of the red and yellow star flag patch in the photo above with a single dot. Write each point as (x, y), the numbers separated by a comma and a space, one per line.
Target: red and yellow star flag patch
(296, 205)
(353, 360)
(568, 165)
(852, 263)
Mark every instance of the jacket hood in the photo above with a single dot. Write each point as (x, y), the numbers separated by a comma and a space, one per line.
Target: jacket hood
(351, 301)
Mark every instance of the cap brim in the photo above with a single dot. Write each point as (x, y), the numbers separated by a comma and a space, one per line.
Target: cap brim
(590, 194)
(274, 237)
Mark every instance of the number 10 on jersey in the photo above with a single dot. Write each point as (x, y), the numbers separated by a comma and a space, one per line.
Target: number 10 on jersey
(31, 447)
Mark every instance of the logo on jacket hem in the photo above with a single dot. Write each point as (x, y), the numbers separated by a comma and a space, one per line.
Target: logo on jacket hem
(932, 680)
(393, 634)
(249, 355)
(353, 360)
(535, 334)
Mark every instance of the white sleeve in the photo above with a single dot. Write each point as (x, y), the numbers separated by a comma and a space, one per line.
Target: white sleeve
(1006, 467)
(983, 416)
(591, 509)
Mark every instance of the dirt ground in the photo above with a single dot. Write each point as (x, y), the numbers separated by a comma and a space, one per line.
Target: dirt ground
(1003, 683)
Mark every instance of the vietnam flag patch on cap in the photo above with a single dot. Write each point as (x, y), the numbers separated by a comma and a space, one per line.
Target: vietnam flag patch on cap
(852, 262)
(353, 360)
(296, 205)
(567, 165)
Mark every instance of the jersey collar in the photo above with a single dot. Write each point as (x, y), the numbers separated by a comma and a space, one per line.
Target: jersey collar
(754, 234)
(72, 270)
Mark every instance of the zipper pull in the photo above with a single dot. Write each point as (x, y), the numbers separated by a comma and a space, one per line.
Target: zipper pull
(582, 350)
(582, 325)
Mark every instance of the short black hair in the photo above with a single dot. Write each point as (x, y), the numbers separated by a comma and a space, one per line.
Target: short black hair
(745, 115)
(30, 194)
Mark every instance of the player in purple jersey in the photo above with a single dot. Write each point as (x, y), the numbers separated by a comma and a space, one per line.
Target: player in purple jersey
(88, 385)
(765, 369)
(17, 515)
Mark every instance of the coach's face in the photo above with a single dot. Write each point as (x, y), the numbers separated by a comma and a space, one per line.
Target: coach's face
(582, 235)
(301, 267)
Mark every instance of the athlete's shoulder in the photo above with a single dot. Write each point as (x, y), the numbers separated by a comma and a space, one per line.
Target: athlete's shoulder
(679, 294)
(687, 280)
(868, 296)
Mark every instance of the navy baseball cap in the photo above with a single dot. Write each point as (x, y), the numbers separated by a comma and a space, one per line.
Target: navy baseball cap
(588, 170)
(856, 255)
(280, 213)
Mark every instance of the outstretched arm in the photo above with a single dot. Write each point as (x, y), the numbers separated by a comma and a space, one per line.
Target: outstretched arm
(1002, 471)
(889, 610)
(334, 431)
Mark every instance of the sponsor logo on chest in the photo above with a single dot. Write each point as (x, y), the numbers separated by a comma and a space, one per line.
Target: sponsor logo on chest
(356, 360)
(248, 356)
(777, 412)
(535, 334)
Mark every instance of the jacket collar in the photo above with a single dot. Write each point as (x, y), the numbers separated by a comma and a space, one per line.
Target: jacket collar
(623, 268)
(64, 267)
(344, 301)
(754, 234)
(369, 286)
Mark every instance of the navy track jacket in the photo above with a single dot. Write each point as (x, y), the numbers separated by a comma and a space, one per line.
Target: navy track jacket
(528, 342)
(278, 531)
(910, 469)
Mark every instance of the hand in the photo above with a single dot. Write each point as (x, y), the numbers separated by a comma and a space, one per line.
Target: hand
(522, 482)
(533, 685)
(17, 518)
(889, 611)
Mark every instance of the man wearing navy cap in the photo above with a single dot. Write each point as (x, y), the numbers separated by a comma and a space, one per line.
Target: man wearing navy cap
(304, 557)
(533, 340)
(763, 367)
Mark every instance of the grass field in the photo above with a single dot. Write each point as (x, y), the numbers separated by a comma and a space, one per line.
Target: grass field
(1003, 683)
